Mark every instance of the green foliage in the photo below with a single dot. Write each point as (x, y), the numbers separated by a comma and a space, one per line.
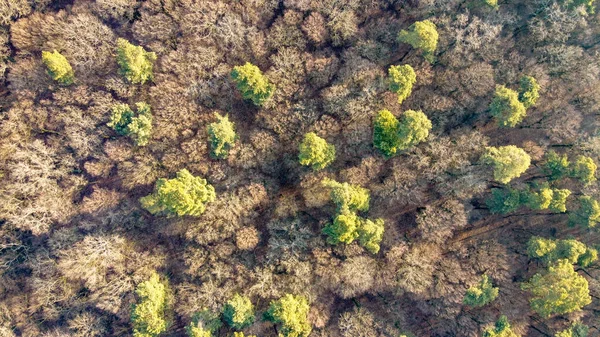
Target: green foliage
(370, 234)
(556, 166)
(58, 67)
(560, 290)
(401, 79)
(576, 330)
(221, 135)
(385, 133)
(347, 197)
(529, 91)
(205, 323)
(135, 63)
(316, 152)
(137, 125)
(588, 213)
(183, 195)
(509, 162)
(588, 257)
(241, 334)
(491, 3)
(149, 314)
(252, 84)
(343, 229)
(538, 247)
(500, 329)
(559, 200)
(506, 107)
(540, 200)
(585, 169)
(292, 313)
(553, 250)
(587, 4)
(238, 312)
(414, 128)
(504, 201)
(481, 294)
(421, 35)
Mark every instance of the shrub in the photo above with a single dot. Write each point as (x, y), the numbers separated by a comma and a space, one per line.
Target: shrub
(149, 313)
(58, 67)
(292, 313)
(506, 107)
(529, 91)
(183, 195)
(560, 290)
(500, 329)
(238, 312)
(401, 79)
(509, 162)
(316, 152)
(370, 234)
(221, 135)
(138, 125)
(421, 35)
(252, 84)
(584, 169)
(481, 294)
(135, 63)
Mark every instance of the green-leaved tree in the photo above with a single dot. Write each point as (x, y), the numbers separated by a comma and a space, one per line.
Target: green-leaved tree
(183, 195)
(370, 234)
(149, 316)
(588, 213)
(221, 135)
(343, 229)
(136, 125)
(401, 80)
(500, 329)
(385, 133)
(481, 294)
(58, 67)
(529, 91)
(238, 312)
(291, 312)
(575, 330)
(506, 107)
(205, 323)
(252, 84)
(556, 166)
(347, 197)
(421, 35)
(135, 63)
(509, 162)
(316, 152)
(584, 169)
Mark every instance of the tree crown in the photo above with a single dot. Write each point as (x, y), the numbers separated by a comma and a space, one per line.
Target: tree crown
(58, 67)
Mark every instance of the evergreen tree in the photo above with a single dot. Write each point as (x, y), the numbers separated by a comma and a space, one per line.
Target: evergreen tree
(509, 162)
(538, 247)
(560, 290)
(576, 330)
(506, 107)
(401, 79)
(559, 200)
(316, 152)
(138, 125)
(588, 213)
(58, 67)
(491, 3)
(238, 312)
(421, 35)
(540, 200)
(205, 323)
(347, 197)
(221, 135)
(481, 294)
(343, 229)
(504, 200)
(588, 257)
(183, 195)
(413, 129)
(385, 133)
(292, 313)
(500, 329)
(584, 169)
(529, 91)
(135, 63)
(556, 166)
(370, 234)
(252, 83)
(149, 314)
(241, 334)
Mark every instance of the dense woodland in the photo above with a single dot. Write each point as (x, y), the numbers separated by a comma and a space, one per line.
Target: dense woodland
(294, 168)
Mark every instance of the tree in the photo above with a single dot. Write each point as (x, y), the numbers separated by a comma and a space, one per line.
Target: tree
(560, 290)
(500, 329)
(344, 228)
(385, 133)
(316, 152)
(584, 170)
(588, 213)
(413, 129)
(183, 195)
(588, 257)
(491, 3)
(576, 330)
(241, 334)
(370, 234)
(135, 63)
(347, 197)
(551, 251)
(509, 162)
(292, 313)
(481, 294)
(149, 314)
(540, 200)
(252, 83)
(504, 200)
(559, 200)
(587, 4)
(529, 91)
(58, 67)
(221, 135)
(421, 35)
(401, 79)
(138, 125)
(506, 107)
(238, 312)
(205, 323)
(538, 247)
(556, 166)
